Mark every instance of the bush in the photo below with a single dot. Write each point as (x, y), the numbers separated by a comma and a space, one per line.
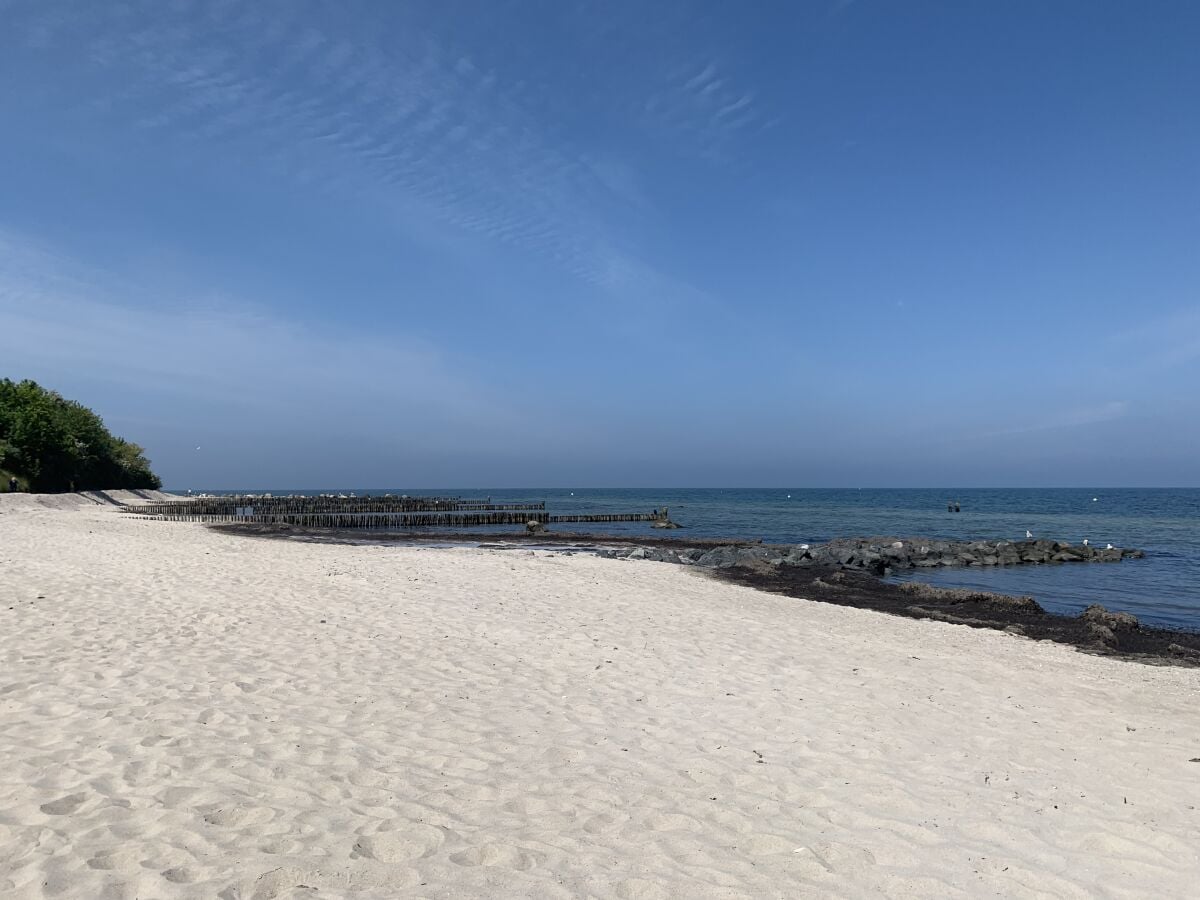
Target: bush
(53, 444)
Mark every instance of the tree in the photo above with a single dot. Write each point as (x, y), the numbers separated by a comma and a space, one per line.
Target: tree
(60, 445)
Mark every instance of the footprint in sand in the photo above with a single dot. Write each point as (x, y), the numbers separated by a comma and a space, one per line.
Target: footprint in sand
(144, 772)
(602, 823)
(181, 875)
(64, 806)
(413, 841)
(239, 816)
(111, 860)
(499, 856)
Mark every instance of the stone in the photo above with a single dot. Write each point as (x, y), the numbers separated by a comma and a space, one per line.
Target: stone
(1186, 652)
(535, 527)
(751, 555)
(719, 558)
(1098, 615)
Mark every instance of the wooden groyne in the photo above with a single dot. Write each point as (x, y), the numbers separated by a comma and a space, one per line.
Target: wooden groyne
(369, 512)
(242, 505)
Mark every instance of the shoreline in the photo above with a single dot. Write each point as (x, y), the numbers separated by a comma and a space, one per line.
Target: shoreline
(1096, 630)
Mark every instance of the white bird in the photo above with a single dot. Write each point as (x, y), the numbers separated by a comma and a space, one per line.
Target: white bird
(1095, 499)
(1085, 542)
(1028, 534)
(1110, 547)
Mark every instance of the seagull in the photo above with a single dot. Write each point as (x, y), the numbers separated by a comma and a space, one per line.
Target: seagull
(1095, 499)
(197, 448)
(1085, 542)
(1028, 534)
(1110, 547)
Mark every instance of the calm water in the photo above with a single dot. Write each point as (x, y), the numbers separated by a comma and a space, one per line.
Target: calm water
(1163, 588)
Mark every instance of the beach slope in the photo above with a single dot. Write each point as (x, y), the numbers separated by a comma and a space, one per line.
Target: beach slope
(187, 713)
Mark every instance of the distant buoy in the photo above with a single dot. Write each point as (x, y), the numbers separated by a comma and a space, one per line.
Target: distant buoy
(789, 496)
(1095, 499)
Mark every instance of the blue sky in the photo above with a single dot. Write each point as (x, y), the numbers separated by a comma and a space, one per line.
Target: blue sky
(611, 243)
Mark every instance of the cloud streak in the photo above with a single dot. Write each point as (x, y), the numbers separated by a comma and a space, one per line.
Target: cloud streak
(64, 319)
(402, 116)
(1069, 418)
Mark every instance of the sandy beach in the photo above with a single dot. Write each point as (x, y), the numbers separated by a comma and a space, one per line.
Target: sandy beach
(185, 713)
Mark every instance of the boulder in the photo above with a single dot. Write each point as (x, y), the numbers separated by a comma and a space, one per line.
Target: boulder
(748, 556)
(535, 527)
(1102, 634)
(1098, 615)
(719, 558)
(797, 557)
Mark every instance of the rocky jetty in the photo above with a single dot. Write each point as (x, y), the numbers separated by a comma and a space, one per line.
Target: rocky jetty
(878, 555)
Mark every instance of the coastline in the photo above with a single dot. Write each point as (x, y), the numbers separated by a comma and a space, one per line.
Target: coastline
(189, 712)
(757, 565)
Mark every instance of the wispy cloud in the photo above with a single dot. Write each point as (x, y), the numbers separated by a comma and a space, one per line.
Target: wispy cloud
(701, 107)
(1074, 417)
(1162, 342)
(404, 116)
(81, 323)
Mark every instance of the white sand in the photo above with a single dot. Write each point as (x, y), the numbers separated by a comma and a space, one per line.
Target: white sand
(187, 714)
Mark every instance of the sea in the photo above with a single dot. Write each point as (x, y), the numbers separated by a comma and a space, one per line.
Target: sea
(1161, 589)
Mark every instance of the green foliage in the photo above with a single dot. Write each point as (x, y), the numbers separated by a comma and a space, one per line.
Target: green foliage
(52, 444)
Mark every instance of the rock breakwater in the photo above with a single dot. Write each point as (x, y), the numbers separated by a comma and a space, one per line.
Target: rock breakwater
(879, 555)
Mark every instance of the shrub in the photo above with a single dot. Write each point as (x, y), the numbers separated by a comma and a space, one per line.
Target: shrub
(53, 444)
